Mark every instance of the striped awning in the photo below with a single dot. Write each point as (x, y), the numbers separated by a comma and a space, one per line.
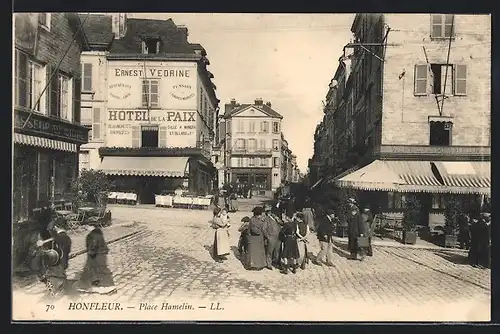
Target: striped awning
(146, 166)
(466, 177)
(52, 144)
(417, 176)
(375, 176)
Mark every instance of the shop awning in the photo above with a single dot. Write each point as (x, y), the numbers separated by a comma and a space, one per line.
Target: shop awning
(51, 144)
(417, 176)
(332, 179)
(146, 166)
(375, 176)
(466, 177)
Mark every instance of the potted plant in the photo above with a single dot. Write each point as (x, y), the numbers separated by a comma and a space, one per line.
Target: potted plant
(411, 217)
(451, 222)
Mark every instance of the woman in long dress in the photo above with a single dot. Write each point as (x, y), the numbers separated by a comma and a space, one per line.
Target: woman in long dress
(302, 233)
(256, 254)
(221, 225)
(290, 248)
(96, 276)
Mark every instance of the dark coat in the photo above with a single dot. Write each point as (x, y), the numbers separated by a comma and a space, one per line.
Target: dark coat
(355, 224)
(96, 271)
(256, 236)
(289, 238)
(326, 229)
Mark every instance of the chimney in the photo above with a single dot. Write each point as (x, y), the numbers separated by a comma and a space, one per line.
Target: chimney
(258, 101)
(183, 30)
(119, 24)
(268, 104)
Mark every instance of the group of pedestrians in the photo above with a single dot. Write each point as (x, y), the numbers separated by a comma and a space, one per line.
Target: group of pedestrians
(270, 239)
(475, 236)
(48, 256)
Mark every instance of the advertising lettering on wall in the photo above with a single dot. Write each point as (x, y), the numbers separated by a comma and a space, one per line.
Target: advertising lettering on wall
(120, 91)
(169, 85)
(179, 126)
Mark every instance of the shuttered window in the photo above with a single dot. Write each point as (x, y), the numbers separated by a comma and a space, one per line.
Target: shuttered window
(441, 25)
(96, 124)
(421, 79)
(136, 136)
(460, 79)
(87, 77)
(54, 94)
(162, 136)
(77, 100)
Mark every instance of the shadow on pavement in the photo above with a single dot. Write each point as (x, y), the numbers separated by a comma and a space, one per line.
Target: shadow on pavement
(238, 256)
(210, 250)
(341, 250)
(454, 258)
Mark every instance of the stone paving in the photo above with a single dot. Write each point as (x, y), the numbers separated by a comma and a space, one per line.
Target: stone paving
(170, 259)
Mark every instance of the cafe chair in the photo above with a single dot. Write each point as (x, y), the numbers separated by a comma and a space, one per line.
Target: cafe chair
(75, 219)
(99, 219)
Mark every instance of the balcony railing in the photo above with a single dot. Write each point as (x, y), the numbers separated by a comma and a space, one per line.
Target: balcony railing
(252, 151)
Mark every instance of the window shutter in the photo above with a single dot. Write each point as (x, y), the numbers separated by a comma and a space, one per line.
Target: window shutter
(460, 79)
(96, 124)
(437, 25)
(244, 143)
(54, 93)
(421, 73)
(87, 77)
(145, 93)
(162, 136)
(136, 133)
(77, 100)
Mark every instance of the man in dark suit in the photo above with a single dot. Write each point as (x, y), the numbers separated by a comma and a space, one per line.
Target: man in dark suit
(355, 228)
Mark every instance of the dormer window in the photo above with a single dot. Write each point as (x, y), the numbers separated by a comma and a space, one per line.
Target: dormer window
(151, 46)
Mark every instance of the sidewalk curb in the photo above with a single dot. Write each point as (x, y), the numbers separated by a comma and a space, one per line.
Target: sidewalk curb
(83, 251)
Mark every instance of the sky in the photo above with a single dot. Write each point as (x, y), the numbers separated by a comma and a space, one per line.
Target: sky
(287, 59)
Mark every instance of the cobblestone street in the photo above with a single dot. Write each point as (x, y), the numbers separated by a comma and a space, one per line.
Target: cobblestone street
(170, 260)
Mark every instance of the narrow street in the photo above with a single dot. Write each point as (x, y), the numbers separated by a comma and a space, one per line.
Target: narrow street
(169, 260)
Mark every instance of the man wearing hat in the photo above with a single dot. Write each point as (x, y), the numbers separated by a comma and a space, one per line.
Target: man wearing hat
(355, 227)
(273, 244)
(367, 218)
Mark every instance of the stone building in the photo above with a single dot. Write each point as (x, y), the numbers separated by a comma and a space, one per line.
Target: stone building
(150, 104)
(411, 113)
(47, 134)
(253, 145)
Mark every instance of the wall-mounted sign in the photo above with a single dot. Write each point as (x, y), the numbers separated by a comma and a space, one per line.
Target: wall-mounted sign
(171, 85)
(119, 91)
(182, 92)
(49, 127)
(145, 116)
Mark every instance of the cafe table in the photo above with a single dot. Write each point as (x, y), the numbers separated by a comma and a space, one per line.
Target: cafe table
(63, 212)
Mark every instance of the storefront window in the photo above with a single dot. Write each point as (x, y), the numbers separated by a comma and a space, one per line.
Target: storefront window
(396, 200)
(438, 201)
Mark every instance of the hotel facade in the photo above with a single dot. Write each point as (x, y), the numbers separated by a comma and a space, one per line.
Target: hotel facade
(151, 106)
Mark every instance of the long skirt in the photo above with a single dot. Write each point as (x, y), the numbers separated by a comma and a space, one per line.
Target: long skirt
(256, 254)
(96, 276)
(221, 242)
(290, 250)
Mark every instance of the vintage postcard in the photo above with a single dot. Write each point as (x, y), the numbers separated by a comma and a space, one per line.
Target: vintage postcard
(258, 167)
